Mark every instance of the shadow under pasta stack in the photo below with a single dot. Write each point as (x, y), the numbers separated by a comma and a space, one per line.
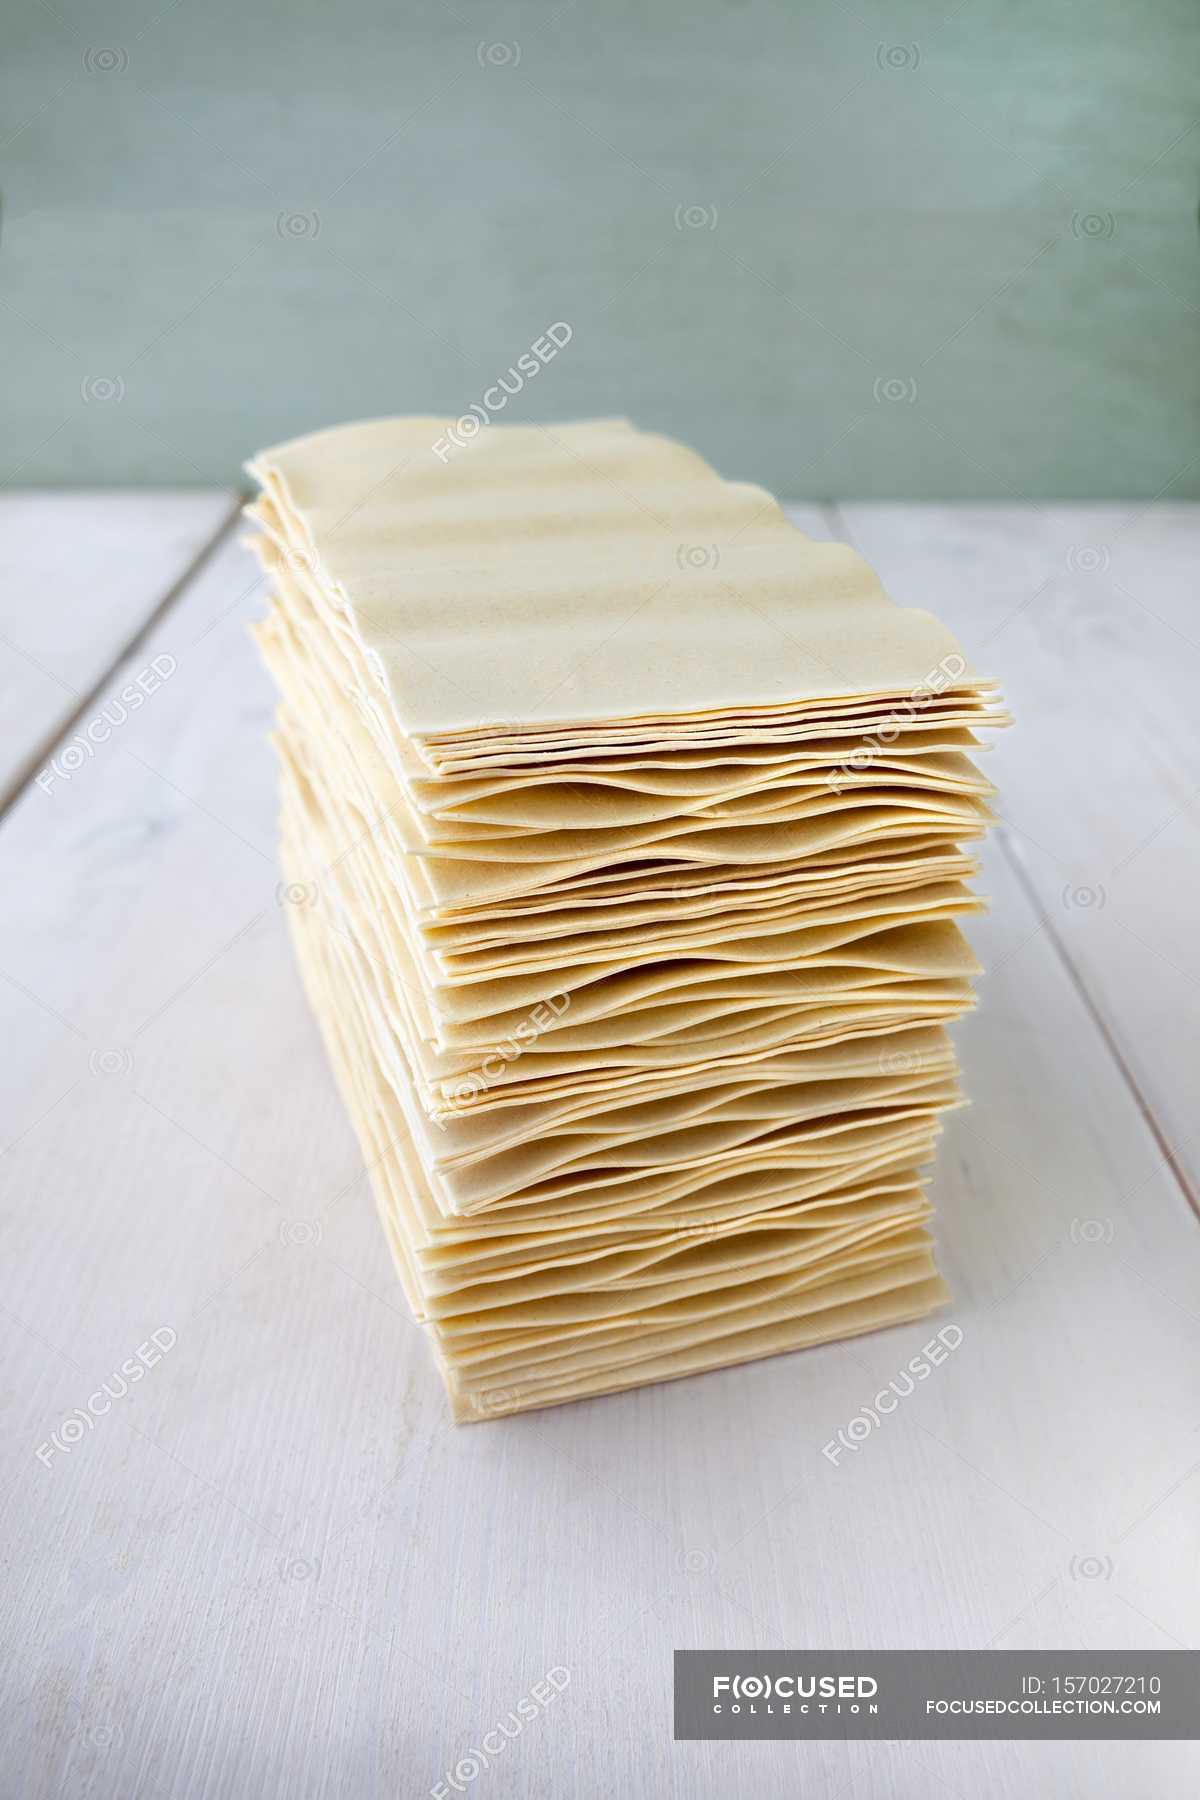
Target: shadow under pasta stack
(636, 825)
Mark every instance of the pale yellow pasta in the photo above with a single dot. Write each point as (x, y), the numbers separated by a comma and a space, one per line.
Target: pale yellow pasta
(625, 831)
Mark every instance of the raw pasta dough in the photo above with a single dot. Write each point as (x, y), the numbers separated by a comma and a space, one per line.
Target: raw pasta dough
(627, 829)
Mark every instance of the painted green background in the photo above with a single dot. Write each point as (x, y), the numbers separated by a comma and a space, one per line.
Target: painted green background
(844, 249)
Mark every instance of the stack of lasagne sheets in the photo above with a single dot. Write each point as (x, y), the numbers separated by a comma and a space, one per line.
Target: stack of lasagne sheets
(626, 831)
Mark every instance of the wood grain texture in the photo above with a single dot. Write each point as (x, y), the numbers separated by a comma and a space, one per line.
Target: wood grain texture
(276, 1568)
(80, 574)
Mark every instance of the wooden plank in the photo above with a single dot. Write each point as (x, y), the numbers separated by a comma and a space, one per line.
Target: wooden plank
(1087, 616)
(276, 1567)
(80, 574)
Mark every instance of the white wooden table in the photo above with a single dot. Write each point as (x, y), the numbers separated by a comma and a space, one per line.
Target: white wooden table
(274, 1568)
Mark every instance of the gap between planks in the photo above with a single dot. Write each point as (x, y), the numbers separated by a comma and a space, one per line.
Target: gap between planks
(62, 730)
(1140, 1099)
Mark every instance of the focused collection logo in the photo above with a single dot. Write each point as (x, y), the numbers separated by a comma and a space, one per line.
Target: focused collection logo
(787, 1693)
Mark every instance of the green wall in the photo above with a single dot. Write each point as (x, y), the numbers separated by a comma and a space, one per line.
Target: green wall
(898, 250)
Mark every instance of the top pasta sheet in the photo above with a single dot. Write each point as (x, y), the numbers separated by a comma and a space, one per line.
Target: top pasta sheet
(547, 588)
